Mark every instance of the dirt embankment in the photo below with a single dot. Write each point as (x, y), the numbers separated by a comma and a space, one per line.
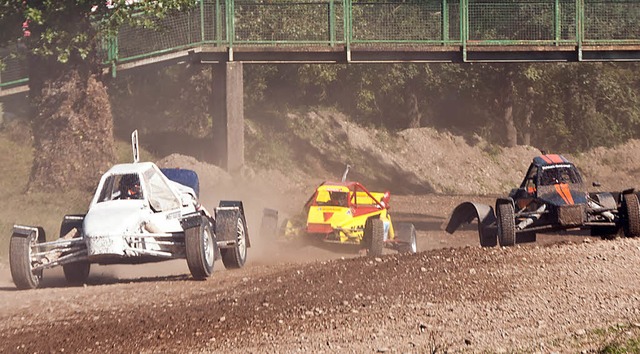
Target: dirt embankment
(423, 160)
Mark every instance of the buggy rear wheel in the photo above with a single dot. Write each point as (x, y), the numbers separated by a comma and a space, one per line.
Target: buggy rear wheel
(506, 224)
(632, 215)
(234, 224)
(75, 273)
(406, 235)
(374, 236)
(21, 261)
(200, 249)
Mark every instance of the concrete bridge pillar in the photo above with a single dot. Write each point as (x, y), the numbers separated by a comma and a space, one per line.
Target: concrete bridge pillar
(228, 116)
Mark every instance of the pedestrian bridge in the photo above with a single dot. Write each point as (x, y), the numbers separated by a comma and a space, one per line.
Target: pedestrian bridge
(373, 31)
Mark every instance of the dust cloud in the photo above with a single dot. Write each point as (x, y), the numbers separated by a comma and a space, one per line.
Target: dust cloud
(5, 278)
(257, 191)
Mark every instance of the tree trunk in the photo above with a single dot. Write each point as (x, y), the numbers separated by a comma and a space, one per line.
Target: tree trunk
(72, 128)
(526, 135)
(71, 115)
(510, 127)
(414, 112)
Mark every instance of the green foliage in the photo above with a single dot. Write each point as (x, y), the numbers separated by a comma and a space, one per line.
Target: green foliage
(124, 152)
(573, 107)
(66, 29)
(267, 144)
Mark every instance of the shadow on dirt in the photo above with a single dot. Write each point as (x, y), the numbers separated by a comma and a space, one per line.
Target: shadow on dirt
(372, 171)
(108, 279)
(96, 280)
(104, 279)
(422, 222)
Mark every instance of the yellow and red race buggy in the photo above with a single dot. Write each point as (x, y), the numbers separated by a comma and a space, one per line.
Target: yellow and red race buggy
(347, 213)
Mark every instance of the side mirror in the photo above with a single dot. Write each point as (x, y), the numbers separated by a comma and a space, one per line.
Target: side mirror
(596, 184)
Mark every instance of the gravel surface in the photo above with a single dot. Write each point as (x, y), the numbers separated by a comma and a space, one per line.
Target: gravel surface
(566, 293)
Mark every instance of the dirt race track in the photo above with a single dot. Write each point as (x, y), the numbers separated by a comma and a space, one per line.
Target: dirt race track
(563, 294)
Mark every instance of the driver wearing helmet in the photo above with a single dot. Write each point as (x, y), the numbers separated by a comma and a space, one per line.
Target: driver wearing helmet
(130, 187)
(134, 192)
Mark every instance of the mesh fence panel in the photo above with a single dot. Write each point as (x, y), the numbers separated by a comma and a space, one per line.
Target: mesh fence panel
(568, 28)
(15, 66)
(522, 20)
(286, 21)
(405, 21)
(179, 29)
(399, 22)
(611, 20)
(215, 29)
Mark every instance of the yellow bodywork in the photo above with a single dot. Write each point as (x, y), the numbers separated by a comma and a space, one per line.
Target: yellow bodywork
(341, 214)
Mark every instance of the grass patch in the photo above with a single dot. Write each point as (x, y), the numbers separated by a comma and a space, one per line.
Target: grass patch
(268, 146)
(615, 339)
(493, 151)
(124, 152)
(619, 339)
(16, 160)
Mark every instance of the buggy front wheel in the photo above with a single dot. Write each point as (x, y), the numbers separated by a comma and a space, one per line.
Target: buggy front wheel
(234, 224)
(21, 261)
(374, 236)
(406, 235)
(506, 224)
(200, 249)
(632, 215)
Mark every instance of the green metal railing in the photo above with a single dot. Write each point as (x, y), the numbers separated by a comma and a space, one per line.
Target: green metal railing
(466, 24)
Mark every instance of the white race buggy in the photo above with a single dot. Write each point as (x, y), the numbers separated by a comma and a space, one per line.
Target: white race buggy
(139, 213)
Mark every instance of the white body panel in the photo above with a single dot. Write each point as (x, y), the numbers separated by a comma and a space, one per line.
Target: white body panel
(118, 227)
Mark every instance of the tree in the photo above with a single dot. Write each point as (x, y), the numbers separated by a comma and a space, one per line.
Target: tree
(71, 115)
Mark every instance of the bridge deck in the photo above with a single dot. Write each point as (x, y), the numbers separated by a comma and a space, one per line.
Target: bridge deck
(373, 31)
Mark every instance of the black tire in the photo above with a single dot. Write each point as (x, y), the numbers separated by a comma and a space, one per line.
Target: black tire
(406, 234)
(234, 227)
(632, 215)
(200, 249)
(20, 261)
(374, 236)
(75, 273)
(506, 224)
